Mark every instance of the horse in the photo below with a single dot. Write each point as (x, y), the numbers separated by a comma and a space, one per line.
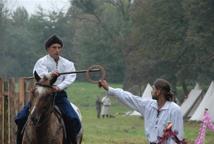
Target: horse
(45, 124)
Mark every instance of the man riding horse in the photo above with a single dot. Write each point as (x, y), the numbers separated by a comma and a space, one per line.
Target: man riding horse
(53, 63)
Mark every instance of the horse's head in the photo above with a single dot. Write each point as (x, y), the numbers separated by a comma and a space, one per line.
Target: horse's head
(42, 99)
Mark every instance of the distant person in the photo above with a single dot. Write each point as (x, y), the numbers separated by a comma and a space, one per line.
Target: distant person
(98, 106)
(106, 103)
(157, 112)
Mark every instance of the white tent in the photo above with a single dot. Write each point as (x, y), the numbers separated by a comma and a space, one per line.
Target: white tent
(132, 113)
(195, 106)
(192, 101)
(197, 86)
(146, 94)
(207, 102)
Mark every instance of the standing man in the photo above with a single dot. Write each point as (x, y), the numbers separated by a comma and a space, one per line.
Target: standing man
(98, 106)
(105, 107)
(157, 112)
(54, 63)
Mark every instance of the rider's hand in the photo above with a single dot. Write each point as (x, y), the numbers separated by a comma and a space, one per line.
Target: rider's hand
(56, 89)
(104, 84)
(55, 73)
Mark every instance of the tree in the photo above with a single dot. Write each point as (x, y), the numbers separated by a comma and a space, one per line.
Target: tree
(101, 27)
(158, 31)
(199, 39)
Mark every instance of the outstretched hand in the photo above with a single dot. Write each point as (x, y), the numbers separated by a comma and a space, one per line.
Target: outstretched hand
(104, 84)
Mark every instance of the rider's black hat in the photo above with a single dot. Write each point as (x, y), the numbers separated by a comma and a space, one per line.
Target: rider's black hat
(53, 40)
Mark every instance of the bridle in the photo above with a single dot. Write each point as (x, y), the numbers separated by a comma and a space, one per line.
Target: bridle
(43, 85)
(43, 112)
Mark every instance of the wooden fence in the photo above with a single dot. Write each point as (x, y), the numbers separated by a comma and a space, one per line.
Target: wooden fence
(14, 93)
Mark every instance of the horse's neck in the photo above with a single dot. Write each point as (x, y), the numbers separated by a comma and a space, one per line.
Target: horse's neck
(49, 130)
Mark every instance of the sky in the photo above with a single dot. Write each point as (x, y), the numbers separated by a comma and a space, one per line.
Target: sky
(32, 5)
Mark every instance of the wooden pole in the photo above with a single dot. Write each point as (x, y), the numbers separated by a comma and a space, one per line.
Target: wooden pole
(5, 113)
(1, 112)
(12, 105)
(8, 112)
(21, 92)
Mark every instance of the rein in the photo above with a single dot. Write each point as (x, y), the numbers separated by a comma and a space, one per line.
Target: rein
(44, 85)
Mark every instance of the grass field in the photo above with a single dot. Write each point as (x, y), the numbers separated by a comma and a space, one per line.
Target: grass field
(118, 130)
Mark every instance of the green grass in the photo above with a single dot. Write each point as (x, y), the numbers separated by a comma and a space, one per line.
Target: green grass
(118, 130)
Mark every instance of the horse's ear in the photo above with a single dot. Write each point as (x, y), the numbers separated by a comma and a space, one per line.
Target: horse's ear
(36, 76)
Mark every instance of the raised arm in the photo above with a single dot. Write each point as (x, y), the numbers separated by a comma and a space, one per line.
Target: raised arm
(134, 102)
